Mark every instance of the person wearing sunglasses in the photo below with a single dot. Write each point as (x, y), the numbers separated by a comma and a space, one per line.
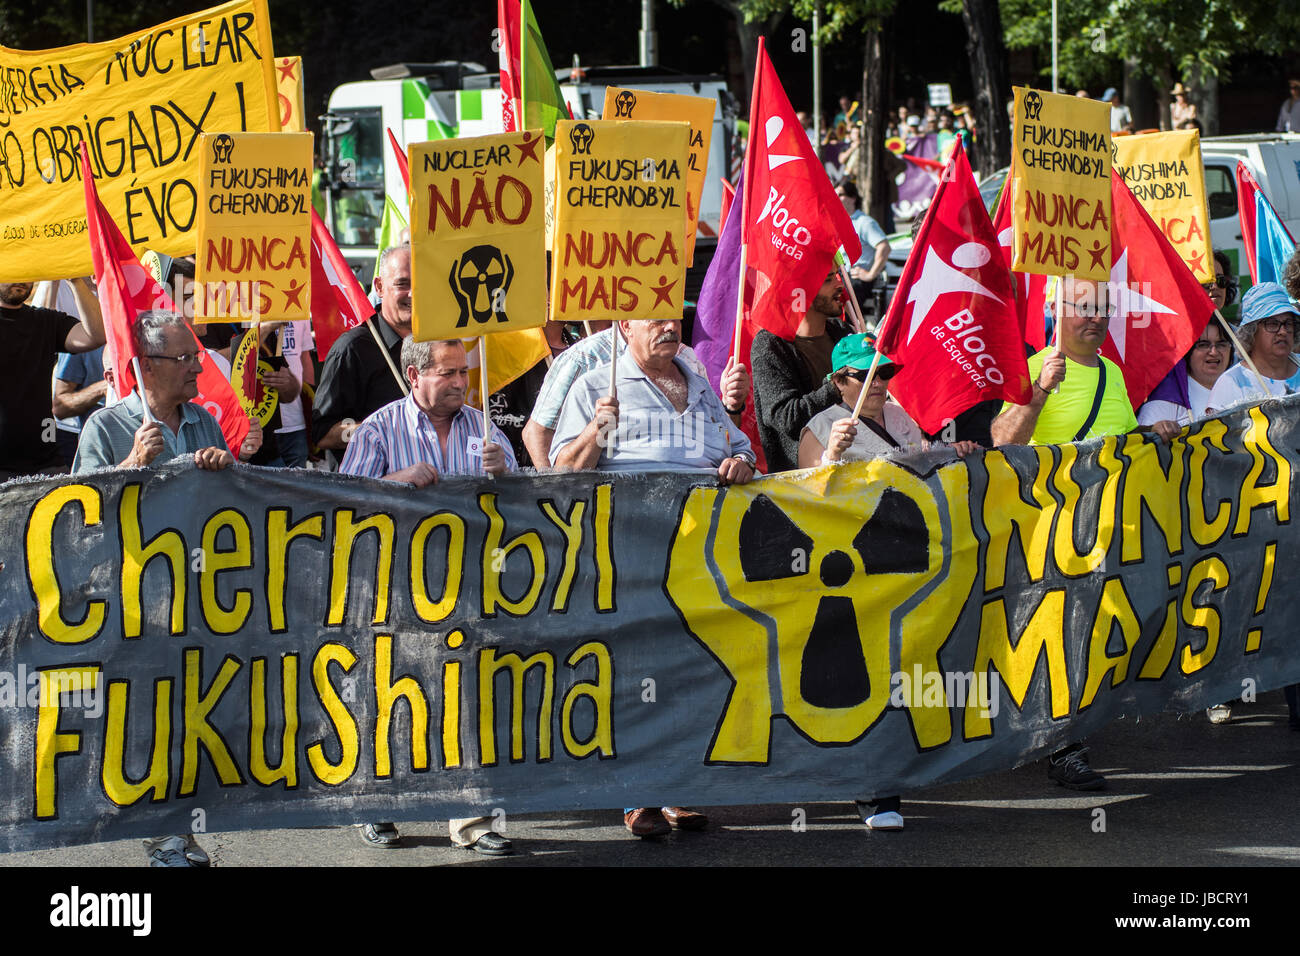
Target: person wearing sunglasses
(1268, 334)
(832, 435)
(1183, 396)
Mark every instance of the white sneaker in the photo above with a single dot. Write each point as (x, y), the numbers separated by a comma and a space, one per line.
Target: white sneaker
(1219, 713)
(890, 820)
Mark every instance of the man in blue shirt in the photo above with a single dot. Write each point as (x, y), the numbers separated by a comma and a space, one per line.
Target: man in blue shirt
(665, 418)
(123, 436)
(875, 245)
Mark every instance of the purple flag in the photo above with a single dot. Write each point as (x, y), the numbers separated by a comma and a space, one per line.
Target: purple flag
(715, 312)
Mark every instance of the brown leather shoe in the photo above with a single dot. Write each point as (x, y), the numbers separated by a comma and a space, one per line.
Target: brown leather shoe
(684, 819)
(646, 822)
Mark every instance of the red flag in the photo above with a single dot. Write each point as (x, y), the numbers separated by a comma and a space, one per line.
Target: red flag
(126, 289)
(1158, 307)
(1031, 289)
(337, 300)
(403, 165)
(1246, 190)
(952, 323)
(508, 31)
(728, 196)
(794, 222)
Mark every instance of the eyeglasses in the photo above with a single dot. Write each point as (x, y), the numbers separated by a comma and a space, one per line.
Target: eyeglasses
(1221, 282)
(883, 372)
(1204, 345)
(1274, 324)
(185, 358)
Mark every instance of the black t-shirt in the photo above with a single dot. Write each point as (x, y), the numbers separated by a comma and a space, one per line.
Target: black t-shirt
(356, 381)
(32, 340)
(509, 409)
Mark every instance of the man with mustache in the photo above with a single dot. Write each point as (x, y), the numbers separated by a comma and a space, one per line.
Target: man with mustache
(791, 379)
(665, 418)
(429, 433)
(33, 339)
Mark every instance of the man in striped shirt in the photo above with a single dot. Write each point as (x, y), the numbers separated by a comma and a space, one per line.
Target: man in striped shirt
(416, 439)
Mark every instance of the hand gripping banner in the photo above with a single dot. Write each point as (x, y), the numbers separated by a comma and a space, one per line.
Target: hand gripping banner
(281, 648)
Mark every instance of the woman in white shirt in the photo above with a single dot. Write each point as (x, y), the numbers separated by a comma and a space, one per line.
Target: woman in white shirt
(1184, 395)
(832, 435)
(1268, 334)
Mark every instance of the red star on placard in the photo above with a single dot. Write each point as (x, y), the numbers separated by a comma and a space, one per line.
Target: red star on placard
(663, 293)
(286, 70)
(293, 294)
(1098, 252)
(528, 148)
(1196, 263)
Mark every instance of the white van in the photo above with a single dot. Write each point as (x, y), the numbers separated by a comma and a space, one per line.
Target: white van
(1274, 160)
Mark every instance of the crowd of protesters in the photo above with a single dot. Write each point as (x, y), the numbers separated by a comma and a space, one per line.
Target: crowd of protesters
(388, 407)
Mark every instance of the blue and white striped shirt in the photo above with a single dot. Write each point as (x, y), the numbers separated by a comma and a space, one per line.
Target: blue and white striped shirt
(399, 435)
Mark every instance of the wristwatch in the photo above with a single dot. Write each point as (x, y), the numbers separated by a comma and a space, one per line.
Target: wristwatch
(746, 457)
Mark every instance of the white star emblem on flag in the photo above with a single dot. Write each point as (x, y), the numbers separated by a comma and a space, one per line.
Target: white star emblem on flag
(938, 278)
(773, 129)
(1128, 302)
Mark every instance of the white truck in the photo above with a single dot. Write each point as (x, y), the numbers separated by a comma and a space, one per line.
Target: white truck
(425, 101)
(1274, 160)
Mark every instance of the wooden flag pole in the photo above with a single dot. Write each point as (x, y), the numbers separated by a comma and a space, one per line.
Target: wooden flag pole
(392, 366)
(139, 383)
(1236, 344)
(613, 363)
(856, 318)
(586, 329)
(740, 303)
(483, 387)
(866, 385)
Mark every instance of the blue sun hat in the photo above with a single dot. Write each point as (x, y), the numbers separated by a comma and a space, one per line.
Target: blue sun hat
(1263, 300)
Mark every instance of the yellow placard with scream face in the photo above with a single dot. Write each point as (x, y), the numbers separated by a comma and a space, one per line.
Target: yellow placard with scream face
(620, 220)
(140, 103)
(1165, 173)
(1060, 182)
(623, 104)
(254, 227)
(288, 81)
(477, 235)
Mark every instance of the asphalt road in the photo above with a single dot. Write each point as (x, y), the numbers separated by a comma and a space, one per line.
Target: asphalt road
(1180, 792)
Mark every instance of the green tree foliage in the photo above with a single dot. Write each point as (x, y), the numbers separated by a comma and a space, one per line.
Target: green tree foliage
(1158, 38)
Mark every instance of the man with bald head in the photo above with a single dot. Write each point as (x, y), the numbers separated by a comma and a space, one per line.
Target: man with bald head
(665, 418)
(33, 339)
(358, 379)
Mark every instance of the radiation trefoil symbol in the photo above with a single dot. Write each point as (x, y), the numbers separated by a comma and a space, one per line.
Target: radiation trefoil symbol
(811, 596)
(480, 280)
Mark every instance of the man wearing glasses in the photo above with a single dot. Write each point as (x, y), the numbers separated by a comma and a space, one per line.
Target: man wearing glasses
(1078, 394)
(122, 436)
(119, 436)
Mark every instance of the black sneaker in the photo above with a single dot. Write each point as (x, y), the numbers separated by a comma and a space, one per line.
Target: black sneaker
(1072, 771)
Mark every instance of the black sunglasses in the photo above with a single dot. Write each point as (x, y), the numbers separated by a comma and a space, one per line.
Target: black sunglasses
(883, 372)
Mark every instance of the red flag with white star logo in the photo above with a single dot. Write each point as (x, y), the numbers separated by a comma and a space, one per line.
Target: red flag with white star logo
(794, 222)
(125, 289)
(1158, 309)
(952, 324)
(337, 300)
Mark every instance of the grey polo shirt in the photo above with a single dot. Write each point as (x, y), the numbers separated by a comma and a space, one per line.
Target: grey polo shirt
(109, 434)
(652, 435)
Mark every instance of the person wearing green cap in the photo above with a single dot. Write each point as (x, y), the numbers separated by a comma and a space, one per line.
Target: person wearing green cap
(832, 435)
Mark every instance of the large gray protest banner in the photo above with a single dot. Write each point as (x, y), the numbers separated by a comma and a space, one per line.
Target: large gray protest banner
(260, 648)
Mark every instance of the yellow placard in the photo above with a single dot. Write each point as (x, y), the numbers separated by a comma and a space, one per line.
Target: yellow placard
(620, 220)
(288, 81)
(477, 235)
(625, 104)
(1165, 173)
(140, 103)
(254, 227)
(1060, 182)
